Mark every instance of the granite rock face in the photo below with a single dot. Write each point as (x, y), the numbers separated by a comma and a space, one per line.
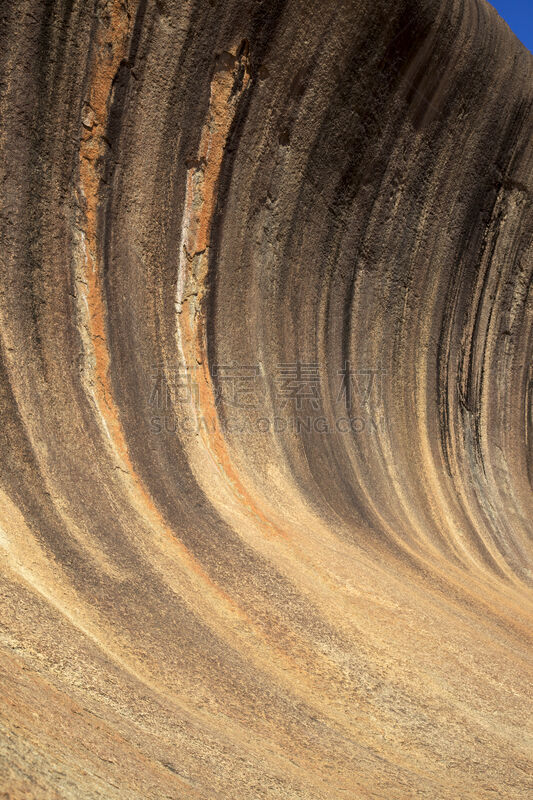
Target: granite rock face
(265, 392)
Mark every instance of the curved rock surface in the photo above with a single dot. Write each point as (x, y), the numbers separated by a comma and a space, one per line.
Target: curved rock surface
(265, 389)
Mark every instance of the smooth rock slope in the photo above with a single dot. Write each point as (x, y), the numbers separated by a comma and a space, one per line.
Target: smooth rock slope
(266, 400)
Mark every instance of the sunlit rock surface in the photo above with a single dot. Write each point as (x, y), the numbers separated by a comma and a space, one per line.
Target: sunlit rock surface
(265, 392)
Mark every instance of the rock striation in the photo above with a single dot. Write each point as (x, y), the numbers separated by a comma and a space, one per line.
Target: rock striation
(266, 400)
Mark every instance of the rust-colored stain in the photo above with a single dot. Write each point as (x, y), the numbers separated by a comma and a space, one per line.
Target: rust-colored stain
(197, 222)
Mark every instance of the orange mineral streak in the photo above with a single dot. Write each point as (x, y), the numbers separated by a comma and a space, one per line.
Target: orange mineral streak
(110, 49)
(200, 203)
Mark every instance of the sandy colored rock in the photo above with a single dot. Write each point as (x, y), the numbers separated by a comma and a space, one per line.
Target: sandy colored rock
(266, 401)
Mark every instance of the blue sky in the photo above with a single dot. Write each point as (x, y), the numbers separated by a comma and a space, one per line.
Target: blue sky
(518, 14)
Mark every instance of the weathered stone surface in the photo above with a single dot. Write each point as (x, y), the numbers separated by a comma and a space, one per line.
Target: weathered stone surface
(199, 600)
